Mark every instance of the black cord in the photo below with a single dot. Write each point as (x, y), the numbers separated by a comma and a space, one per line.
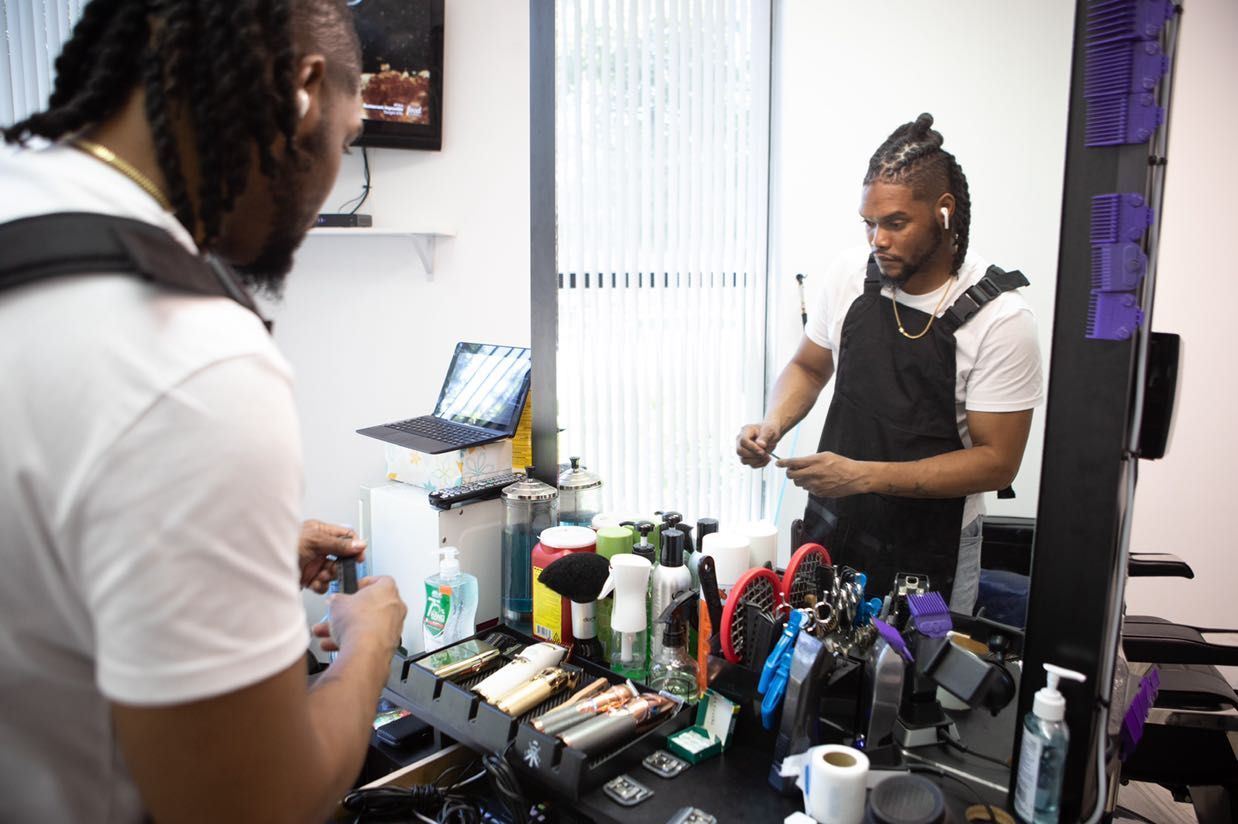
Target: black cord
(926, 768)
(505, 783)
(393, 803)
(365, 185)
(951, 741)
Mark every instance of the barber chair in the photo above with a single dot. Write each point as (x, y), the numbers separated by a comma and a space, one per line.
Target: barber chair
(1191, 735)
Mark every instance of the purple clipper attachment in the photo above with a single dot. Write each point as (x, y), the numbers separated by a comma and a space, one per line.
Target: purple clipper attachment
(1122, 119)
(1123, 68)
(894, 639)
(929, 614)
(1119, 218)
(1113, 315)
(1137, 714)
(1116, 20)
(1118, 267)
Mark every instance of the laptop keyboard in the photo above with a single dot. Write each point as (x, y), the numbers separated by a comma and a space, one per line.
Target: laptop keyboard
(443, 431)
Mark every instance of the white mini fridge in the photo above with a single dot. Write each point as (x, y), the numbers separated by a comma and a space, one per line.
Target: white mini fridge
(404, 534)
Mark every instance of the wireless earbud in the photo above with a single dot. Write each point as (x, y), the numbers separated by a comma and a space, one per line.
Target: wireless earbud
(303, 104)
(945, 217)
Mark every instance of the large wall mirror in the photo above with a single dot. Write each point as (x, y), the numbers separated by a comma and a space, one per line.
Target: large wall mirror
(837, 80)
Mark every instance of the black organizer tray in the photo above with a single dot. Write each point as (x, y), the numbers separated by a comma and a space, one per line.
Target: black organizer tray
(453, 709)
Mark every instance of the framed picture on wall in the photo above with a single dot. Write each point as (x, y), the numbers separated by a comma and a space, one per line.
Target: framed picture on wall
(401, 72)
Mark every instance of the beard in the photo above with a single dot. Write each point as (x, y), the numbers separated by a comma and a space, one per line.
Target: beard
(913, 265)
(291, 218)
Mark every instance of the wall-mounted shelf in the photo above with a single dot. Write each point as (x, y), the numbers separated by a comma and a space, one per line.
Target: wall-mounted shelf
(423, 242)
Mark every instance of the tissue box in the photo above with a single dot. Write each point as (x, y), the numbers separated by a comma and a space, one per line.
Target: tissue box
(715, 722)
(448, 469)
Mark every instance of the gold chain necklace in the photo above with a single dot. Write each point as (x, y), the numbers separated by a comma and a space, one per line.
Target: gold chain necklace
(103, 153)
(945, 290)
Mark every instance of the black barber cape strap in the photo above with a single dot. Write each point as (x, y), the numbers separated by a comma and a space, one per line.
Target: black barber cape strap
(78, 243)
(994, 283)
(991, 286)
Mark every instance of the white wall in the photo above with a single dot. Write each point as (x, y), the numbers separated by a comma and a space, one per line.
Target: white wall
(368, 333)
(1184, 503)
(996, 78)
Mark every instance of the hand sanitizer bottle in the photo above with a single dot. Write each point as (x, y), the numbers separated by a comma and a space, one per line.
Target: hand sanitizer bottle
(1042, 757)
(451, 603)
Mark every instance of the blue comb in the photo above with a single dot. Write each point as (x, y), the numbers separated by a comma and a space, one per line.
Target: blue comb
(930, 614)
(1123, 68)
(1122, 119)
(1137, 713)
(1111, 21)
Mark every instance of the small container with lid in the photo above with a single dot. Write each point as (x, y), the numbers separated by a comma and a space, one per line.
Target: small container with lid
(580, 495)
(529, 508)
(552, 613)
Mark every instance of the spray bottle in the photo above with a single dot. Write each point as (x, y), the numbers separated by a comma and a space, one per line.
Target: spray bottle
(669, 579)
(629, 621)
(1042, 757)
(672, 669)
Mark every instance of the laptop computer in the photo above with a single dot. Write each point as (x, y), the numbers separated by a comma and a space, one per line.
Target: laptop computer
(481, 401)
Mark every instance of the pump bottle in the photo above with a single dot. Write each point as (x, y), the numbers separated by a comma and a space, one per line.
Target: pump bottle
(451, 602)
(1042, 757)
(669, 579)
(672, 669)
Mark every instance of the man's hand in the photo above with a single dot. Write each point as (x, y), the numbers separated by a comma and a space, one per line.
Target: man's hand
(826, 474)
(317, 541)
(374, 613)
(755, 442)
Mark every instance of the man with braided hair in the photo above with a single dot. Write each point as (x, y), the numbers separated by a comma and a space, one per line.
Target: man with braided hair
(152, 651)
(938, 370)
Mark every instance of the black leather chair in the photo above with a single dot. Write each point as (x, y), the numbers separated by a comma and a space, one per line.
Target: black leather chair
(1190, 739)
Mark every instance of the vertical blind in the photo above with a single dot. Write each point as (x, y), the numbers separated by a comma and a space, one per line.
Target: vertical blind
(662, 118)
(34, 31)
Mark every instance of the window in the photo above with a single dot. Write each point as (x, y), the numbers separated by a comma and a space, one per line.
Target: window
(35, 31)
(662, 120)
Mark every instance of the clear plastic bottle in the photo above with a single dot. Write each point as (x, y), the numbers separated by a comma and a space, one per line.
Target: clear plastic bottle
(1042, 756)
(451, 603)
(673, 670)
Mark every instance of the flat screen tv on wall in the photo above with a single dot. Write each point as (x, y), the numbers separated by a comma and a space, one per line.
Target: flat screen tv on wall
(401, 72)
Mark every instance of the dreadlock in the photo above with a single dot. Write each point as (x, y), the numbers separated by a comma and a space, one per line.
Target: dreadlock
(227, 69)
(912, 156)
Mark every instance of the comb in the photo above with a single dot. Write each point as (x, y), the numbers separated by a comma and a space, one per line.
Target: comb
(894, 639)
(929, 614)
(1119, 218)
(1118, 267)
(1113, 315)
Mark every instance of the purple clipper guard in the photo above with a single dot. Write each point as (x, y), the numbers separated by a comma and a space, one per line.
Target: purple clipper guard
(1123, 68)
(1118, 218)
(1113, 315)
(1118, 267)
(894, 639)
(1122, 119)
(1137, 714)
(930, 614)
(1116, 20)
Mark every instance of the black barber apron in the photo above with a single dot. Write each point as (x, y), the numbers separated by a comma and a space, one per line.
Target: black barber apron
(893, 401)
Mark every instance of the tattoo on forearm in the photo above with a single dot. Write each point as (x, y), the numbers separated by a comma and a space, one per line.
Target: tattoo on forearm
(917, 491)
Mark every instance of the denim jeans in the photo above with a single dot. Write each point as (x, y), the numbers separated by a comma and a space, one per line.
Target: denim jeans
(967, 574)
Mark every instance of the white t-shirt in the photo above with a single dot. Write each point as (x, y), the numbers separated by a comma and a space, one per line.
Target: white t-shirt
(150, 487)
(997, 353)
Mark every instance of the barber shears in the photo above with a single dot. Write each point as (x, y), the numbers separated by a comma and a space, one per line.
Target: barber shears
(777, 669)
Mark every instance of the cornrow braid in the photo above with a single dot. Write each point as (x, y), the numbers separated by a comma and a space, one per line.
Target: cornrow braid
(226, 68)
(913, 156)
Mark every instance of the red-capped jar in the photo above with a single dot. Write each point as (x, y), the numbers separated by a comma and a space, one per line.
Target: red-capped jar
(552, 613)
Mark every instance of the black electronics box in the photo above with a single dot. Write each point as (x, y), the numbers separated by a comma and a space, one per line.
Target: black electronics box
(345, 220)
(464, 716)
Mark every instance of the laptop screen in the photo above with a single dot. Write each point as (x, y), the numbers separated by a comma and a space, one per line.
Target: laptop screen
(485, 386)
